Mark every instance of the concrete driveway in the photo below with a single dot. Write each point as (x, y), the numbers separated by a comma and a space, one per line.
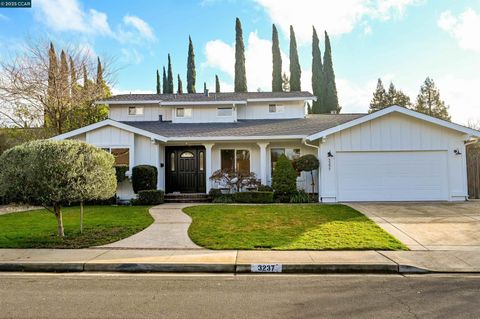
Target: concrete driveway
(428, 226)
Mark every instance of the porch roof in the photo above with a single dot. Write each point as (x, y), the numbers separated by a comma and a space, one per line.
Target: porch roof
(252, 128)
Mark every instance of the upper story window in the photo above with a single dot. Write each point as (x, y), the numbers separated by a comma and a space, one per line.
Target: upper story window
(135, 110)
(224, 111)
(183, 112)
(275, 108)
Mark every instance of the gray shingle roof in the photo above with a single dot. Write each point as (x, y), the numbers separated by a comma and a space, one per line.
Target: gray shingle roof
(305, 126)
(200, 97)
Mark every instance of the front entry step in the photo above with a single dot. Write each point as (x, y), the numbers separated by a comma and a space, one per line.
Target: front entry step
(187, 198)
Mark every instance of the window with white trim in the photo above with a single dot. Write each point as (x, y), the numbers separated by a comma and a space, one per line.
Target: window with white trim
(275, 108)
(224, 111)
(135, 110)
(235, 160)
(183, 112)
(275, 153)
(121, 155)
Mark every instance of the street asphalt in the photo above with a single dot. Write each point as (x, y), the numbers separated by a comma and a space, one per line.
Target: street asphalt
(107, 295)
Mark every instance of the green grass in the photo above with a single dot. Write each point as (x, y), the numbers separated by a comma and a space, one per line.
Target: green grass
(102, 225)
(286, 227)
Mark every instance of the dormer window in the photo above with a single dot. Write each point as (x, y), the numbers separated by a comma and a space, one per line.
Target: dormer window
(183, 112)
(224, 111)
(274, 108)
(135, 110)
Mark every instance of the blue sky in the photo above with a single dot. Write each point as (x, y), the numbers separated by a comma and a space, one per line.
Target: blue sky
(403, 41)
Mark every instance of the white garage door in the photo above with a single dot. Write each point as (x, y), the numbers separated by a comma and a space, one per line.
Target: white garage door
(392, 176)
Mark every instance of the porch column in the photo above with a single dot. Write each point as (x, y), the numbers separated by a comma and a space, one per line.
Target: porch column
(263, 162)
(208, 165)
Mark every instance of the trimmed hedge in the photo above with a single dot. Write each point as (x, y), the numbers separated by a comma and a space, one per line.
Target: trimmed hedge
(144, 177)
(150, 197)
(224, 198)
(254, 197)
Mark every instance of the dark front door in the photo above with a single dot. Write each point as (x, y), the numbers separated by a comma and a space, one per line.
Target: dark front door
(185, 169)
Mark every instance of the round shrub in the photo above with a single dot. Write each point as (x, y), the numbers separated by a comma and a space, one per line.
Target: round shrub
(144, 177)
(120, 171)
(284, 179)
(307, 163)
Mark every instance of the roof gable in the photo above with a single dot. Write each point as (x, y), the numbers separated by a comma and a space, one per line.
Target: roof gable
(391, 109)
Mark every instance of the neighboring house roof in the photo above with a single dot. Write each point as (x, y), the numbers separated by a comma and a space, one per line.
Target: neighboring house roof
(294, 128)
(391, 109)
(201, 98)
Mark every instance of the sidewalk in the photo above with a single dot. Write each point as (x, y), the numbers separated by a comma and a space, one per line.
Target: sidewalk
(233, 261)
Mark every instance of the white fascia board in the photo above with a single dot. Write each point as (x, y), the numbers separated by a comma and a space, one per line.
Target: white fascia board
(234, 138)
(202, 103)
(398, 109)
(113, 123)
(129, 102)
(279, 99)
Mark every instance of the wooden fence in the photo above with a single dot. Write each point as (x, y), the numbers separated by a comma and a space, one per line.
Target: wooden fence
(473, 171)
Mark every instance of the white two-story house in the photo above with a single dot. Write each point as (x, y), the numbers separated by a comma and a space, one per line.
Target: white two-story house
(392, 155)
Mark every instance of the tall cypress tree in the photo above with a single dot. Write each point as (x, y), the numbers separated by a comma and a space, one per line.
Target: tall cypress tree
(73, 72)
(204, 86)
(295, 71)
(52, 79)
(179, 85)
(164, 82)
(429, 101)
(64, 78)
(170, 76)
(330, 98)
(99, 72)
(191, 73)
(240, 73)
(158, 83)
(276, 62)
(317, 75)
(86, 82)
(217, 84)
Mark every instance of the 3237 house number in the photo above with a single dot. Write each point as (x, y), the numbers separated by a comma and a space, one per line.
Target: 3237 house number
(266, 268)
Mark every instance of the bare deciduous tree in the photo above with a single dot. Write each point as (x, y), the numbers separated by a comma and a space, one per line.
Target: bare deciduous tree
(39, 87)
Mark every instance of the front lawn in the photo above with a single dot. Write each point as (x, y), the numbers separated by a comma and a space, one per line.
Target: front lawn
(286, 227)
(102, 225)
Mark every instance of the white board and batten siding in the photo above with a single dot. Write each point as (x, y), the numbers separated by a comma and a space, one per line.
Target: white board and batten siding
(119, 112)
(260, 110)
(393, 158)
(142, 151)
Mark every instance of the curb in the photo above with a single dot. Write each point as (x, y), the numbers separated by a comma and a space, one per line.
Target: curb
(211, 268)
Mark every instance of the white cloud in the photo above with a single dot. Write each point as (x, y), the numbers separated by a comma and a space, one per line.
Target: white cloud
(68, 15)
(464, 28)
(142, 27)
(258, 54)
(338, 17)
(131, 56)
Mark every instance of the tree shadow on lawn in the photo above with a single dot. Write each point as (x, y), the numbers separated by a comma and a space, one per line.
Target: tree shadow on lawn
(286, 227)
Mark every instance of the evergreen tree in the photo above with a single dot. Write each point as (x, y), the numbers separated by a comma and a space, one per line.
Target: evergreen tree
(52, 78)
(217, 84)
(73, 72)
(179, 85)
(86, 82)
(330, 98)
(285, 83)
(429, 101)
(191, 73)
(204, 87)
(158, 83)
(379, 98)
(390, 96)
(240, 73)
(317, 76)
(402, 99)
(64, 79)
(99, 73)
(295, 71)
(164, 82)
(169, 76)
(276, 62)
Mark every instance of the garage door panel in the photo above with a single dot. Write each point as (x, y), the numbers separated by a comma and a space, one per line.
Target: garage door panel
(392, 176)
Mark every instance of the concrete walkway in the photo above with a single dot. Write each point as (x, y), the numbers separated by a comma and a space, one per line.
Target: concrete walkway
(168, 231)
